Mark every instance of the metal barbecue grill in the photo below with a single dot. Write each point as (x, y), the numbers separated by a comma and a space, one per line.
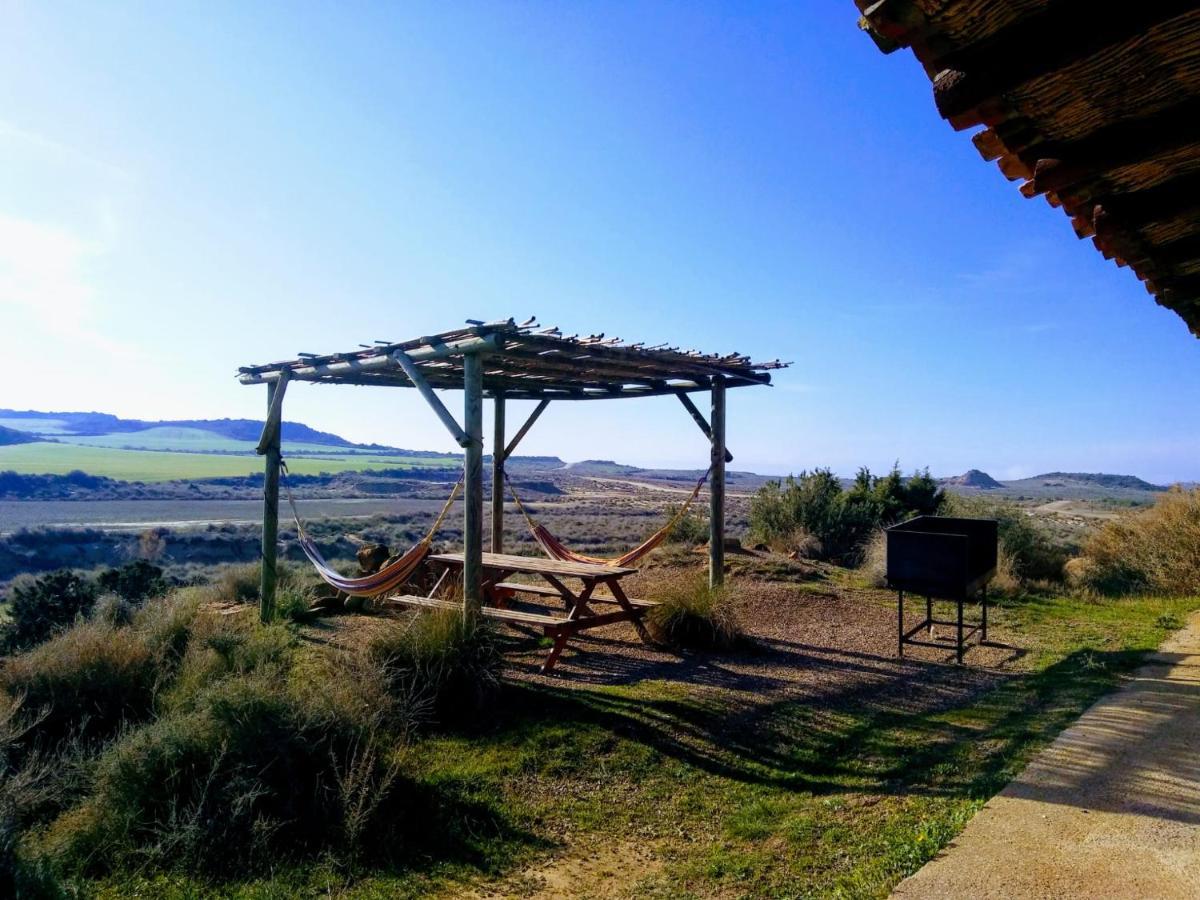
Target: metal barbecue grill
(944, 558)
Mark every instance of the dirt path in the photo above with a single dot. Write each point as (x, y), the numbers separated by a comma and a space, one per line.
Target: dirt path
(1110, 809)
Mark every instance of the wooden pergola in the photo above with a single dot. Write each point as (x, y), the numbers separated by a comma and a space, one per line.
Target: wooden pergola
(503, 361)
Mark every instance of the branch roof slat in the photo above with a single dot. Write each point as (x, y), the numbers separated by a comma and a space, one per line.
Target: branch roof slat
(525, 362)
(1097, 110)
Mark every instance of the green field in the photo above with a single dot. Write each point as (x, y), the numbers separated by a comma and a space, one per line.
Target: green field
(151, 465)
(192, 440)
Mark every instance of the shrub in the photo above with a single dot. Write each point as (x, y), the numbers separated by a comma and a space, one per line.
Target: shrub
(134, 581)
(441, 663)
(39, 607)
(692, 614)
(166, 625)
(245, 779)
(1028, 552)
(874, 560)
(691, 529)
(113, 610)
(239, 584)
(27, 786)
(1157, 549)
(840, 520)
(88, 680)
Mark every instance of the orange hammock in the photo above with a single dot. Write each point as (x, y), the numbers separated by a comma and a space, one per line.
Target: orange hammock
(390, 577)
(556, 549)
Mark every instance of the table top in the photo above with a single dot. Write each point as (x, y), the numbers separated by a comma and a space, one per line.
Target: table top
(537, 565)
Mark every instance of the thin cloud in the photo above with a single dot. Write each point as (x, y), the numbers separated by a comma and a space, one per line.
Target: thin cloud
(65, 152)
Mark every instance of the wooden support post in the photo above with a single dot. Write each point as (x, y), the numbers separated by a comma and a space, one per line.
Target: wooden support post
(498, 460)
(269, 447)
(716, 514)
(473, 485)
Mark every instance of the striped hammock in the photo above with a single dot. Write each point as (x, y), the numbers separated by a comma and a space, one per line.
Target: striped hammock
(391, 576)
(554, 548)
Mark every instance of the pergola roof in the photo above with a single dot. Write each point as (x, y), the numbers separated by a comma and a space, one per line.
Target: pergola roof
(1097, 109)
(524, 362)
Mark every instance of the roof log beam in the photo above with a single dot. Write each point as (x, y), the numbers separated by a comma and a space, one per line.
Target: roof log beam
(973, 77)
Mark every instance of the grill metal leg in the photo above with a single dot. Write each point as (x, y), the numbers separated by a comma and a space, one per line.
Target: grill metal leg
(960, 631)
(983, 636)
(929, 617)
(900, 623)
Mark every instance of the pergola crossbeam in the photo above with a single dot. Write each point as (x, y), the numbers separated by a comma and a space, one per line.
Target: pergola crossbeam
(435, 403)
(701, 422)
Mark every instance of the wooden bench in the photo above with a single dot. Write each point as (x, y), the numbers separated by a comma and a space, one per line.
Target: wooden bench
(543, 590)
(492, 612)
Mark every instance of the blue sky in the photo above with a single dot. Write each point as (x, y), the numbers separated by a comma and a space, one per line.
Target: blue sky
(185, 188)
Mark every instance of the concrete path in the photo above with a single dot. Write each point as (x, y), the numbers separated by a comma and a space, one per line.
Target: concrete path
(1110, 809)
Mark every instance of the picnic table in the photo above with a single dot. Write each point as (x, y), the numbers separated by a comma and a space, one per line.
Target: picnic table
(556, 576)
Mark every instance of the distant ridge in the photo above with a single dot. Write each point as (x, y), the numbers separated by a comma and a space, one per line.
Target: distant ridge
(1099, 479)
(973, 478)
(9, 436)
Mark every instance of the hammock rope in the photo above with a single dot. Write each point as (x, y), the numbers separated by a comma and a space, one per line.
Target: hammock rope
(388, 578)
(554, 548)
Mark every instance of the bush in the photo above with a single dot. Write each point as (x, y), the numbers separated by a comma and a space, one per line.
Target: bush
(166, 625)
(441, 664)
(692, 614)
(691, 529)
(134, 581)
(27, 786)
(840, 521)
(239, 584)
(244, 780)
(39, 607)
(1155, 550)
(1028, 552)
(89, 680)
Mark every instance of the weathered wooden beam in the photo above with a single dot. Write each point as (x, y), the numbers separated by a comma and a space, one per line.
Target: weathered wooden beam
(1176, 197)
(700, 421)
(1066, 32)
(273, 427)
(384, 360)
(473, 486)
(499, 456)
(435, 402)
(270, 529)
(1059, 165)
(524, 429)
(716, 483)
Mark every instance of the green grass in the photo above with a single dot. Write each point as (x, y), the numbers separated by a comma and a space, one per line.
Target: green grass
(152, 465)
(838, 797)
(192, 440)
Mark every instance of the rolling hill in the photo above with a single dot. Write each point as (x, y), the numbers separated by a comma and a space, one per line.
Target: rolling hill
(103, 429)
(11, 436)
(974, 479)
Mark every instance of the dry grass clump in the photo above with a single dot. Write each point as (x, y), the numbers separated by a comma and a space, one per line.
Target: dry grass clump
(691, 614)
(446, 667)
(89, 680)
(1156, 550)
(873, 567)
(295, 589)
(223, 747)
(249, 774)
